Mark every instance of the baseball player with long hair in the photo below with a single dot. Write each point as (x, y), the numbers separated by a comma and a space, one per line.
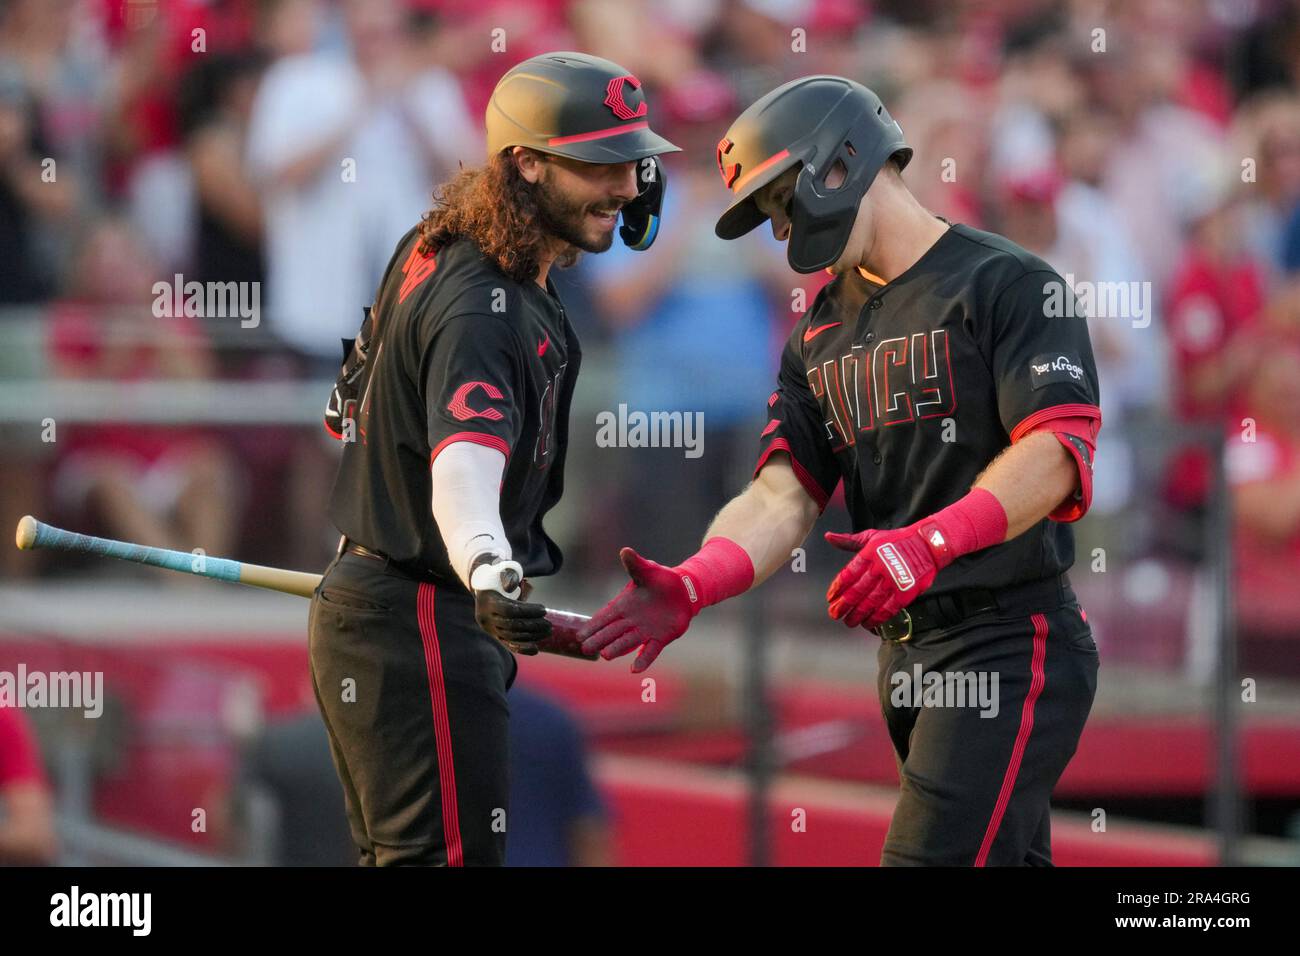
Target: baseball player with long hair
(946, 380)
(453, 404)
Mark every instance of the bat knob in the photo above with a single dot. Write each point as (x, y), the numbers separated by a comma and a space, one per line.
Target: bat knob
(509, 579)
(26, 534)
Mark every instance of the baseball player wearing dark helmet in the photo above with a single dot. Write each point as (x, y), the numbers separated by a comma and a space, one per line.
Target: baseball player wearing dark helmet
(453, 406)
(944, 378)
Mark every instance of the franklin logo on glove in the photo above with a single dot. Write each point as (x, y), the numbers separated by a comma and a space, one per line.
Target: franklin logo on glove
(898, 569)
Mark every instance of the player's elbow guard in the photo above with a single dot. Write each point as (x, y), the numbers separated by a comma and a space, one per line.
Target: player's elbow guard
(1078, 435)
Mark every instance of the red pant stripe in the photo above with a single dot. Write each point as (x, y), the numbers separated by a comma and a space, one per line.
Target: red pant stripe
(441, 726)
(1022, 738)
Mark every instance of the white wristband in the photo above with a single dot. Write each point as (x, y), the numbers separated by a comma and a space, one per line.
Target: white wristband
(487, 577)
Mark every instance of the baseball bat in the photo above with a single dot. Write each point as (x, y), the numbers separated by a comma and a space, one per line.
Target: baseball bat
(34, 534)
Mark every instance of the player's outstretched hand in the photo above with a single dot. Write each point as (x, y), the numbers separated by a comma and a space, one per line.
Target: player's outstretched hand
(887, 573)
(650, 613)
(510, 619)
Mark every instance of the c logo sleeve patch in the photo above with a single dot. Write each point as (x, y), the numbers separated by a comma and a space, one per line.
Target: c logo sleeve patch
(461, 410)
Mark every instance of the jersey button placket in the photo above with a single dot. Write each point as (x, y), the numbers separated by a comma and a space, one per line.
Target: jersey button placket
(870, 307)
(874, 305)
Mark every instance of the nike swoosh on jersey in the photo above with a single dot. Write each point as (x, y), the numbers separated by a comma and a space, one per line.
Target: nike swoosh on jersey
(542, 346)
(811, 334)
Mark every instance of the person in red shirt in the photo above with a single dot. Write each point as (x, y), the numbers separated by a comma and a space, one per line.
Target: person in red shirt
(1264, 473)
(1213, 306)
(162, 485)
(1215, 299)
(27, 836)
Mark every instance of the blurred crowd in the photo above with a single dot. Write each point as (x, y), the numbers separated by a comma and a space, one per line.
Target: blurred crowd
(1149, 149)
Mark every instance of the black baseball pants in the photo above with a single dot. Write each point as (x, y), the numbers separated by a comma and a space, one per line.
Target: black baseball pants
(413, 694)
(976, 776)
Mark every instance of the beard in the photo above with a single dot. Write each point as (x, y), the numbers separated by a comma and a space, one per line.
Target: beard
(566, 219)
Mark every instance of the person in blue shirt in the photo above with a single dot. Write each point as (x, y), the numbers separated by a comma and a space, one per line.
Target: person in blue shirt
(556, 816)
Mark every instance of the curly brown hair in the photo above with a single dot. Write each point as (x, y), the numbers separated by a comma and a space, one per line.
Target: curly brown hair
(496, 208)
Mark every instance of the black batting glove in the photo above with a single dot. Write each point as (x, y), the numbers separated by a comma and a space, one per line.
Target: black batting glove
(500, 606)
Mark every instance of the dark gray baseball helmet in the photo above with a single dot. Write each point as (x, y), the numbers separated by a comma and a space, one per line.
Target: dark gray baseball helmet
(811, 122)
(574, 105)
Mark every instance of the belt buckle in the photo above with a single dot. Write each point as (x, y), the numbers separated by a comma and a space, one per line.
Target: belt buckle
(898, 628)
(363, 552)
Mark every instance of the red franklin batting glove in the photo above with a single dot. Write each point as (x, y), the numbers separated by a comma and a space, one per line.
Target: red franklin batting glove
(892, 568)
(657, 606)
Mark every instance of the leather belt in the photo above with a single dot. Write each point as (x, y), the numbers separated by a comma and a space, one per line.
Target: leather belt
(947, 610)
(353, 548)
(399, 568)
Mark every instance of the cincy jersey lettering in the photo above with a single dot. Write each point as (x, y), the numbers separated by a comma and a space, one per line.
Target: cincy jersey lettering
(897, 380)
(546, 416)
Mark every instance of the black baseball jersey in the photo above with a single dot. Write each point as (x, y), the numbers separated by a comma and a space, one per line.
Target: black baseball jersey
(907, 391)
(459, 352)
